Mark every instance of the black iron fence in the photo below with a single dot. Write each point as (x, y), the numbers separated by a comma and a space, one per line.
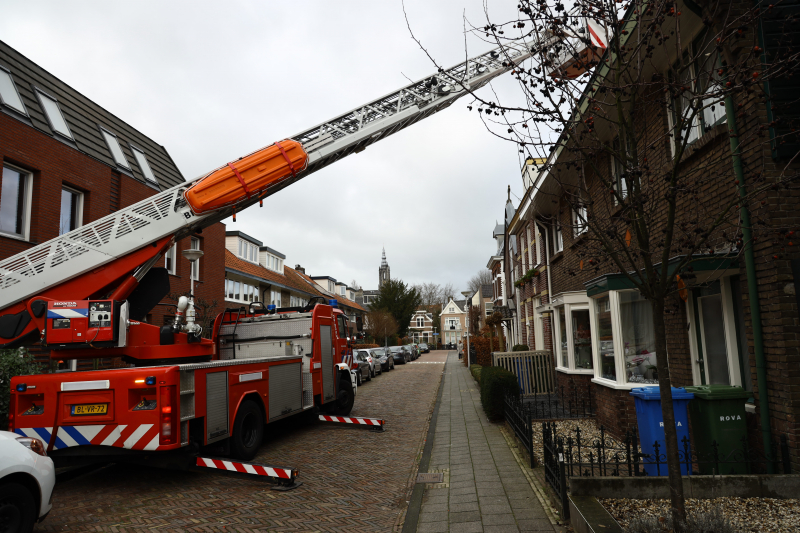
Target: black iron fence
(520, 421)
(577, 402)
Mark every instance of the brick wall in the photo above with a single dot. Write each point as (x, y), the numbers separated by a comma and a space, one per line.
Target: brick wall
(53, 165)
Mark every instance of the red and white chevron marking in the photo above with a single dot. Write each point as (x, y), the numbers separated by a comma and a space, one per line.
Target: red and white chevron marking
(353, 420)
(131, 437)
(246, 468)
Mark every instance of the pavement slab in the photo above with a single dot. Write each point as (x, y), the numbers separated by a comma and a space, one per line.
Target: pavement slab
(488, 491)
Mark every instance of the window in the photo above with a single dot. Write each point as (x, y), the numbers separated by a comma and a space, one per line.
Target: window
(558, 238)
(538, 236)
(451, 310)
(116, 150)
(15, 202)
(297, 301)
(229, 288)
(237, 290)
(531, 246)
(605, 338)
(579, 220)
(275, 298)
(618, 172)
(562, 328)
(581, 338)
(342, 290)
(638, 338)
(420, 322)
(144, 166)
(53, 113)
(8, 92)
(489, 309)
(195, 245)
(169, 259)
(71, 210)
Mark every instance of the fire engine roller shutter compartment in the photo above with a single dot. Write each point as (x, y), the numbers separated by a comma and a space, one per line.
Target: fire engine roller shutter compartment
(216, 406)
(285, 389)
(326, 348)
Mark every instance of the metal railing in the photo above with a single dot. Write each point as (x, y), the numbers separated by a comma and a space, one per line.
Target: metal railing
(577, 402)
(520, 421)
(534, 369)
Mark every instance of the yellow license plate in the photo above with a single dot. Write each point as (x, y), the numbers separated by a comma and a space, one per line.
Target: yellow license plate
(90, 409)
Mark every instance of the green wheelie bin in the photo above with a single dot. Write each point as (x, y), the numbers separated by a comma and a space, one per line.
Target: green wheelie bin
(717, 414)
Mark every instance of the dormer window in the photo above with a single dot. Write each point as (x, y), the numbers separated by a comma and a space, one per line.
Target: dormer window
(248, 251)
(115, 148)
(8, 92)
(53, 114)
(274, 262)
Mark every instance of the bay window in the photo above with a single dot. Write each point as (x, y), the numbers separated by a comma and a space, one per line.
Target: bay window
(574, 333)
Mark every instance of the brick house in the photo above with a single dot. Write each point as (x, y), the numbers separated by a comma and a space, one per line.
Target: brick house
(67, 162)
(421, 326)
(599, 328)
(453, 319)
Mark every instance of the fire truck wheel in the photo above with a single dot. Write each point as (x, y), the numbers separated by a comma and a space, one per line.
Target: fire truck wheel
(248, 431)
(345, 399)
(17, 508)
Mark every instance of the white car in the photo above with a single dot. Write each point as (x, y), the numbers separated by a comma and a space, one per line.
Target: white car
(27, 477)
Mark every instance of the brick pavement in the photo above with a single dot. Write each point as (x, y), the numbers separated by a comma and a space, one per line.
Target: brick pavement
(485, 489)
(354, 480)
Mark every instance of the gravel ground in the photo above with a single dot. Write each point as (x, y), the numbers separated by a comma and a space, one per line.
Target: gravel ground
(589, 433)
(746, 514)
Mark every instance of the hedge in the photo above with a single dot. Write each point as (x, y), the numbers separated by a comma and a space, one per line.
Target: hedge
(12, 364)
(496, 382)
(365, 346)
(520, 348)
(476, 372)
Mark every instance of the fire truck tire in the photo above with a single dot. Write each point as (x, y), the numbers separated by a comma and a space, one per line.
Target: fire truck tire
(17, 508)
(248, 431)
(345, 399)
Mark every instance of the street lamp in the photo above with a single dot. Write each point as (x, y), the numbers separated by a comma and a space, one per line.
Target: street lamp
(466, 295)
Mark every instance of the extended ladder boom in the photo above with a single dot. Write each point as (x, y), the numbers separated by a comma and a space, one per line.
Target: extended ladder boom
(129, 241)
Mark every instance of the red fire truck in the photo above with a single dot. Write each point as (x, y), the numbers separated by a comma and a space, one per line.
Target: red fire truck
(84, 295)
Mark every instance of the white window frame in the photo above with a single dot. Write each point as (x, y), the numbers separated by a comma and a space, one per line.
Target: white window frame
(195, 268)
(26, 204)
(173, 252)
(108, 137)
(579, 220)
(42, 96)
(23, 111)
(537, 237)
(144, 165)
(558, 236)
(531, 245)
(577, 301)
(78, 209)
(617, 169)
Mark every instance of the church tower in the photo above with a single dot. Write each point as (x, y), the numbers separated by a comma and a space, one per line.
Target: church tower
(383, 271)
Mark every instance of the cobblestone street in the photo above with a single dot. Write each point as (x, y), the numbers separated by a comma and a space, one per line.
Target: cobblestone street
(353, 479)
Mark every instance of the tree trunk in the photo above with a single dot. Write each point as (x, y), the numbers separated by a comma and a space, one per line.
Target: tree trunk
(670, 433)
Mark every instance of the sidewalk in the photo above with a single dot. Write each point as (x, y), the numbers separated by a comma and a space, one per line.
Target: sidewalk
(487, 491)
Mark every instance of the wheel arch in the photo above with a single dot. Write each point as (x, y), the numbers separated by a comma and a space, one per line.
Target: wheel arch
(256, 398)
(30, 483)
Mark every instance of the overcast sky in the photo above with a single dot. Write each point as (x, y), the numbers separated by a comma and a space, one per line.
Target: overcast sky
(212, 81)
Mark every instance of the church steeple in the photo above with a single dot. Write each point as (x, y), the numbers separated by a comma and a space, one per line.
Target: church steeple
(383, 271)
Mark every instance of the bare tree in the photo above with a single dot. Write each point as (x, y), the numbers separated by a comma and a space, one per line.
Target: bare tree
(381, 324)
(621, 131)
(483, 277)
(354, 285)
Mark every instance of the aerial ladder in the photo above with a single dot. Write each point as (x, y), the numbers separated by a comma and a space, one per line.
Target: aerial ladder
(85, 293)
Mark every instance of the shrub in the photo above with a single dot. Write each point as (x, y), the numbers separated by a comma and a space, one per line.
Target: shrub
(703, 522)
(496, 382)
(12, 363)
(520, 348)
(476, 372)
(483, 355)
(365, 346)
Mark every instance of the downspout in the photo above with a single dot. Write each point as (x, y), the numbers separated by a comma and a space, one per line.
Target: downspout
(752, 283)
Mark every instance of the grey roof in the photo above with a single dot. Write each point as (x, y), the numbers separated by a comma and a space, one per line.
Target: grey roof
(462, 304)
(272, 251)
(84, 119)
(499, 229)
(487, 291)
(245, 236)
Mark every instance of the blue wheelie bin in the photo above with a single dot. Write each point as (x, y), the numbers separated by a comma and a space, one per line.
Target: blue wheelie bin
(651, 427)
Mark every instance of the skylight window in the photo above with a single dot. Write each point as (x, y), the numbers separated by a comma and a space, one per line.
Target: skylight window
(116, 150)
(53, 113)
(8, 92)
(141, 160)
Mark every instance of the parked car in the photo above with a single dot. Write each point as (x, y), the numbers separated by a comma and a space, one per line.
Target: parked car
(400, 354)
(27, 478)
(363, 372)
(384, 358)
(424, 348)
(374, 368)
(412, 350)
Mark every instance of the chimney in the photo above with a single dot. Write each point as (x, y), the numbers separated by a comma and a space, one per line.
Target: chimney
(300, 269)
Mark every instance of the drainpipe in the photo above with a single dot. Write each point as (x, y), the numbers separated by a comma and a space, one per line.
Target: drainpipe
(752, 284)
